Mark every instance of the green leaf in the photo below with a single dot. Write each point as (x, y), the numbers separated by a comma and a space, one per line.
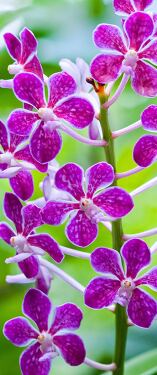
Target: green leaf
(143, 364)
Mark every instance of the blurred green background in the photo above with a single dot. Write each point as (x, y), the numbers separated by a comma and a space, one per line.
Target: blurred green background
(64, 29)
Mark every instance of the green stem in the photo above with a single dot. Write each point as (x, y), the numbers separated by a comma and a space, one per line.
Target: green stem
(117, 234)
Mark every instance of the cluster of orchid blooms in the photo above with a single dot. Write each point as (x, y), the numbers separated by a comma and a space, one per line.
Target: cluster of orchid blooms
(31, 140)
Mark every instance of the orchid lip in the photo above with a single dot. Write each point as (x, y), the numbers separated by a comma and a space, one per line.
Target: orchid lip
(15, 68)
(46, 114)
(19, 243)
(6, 158)
(45, 340)
(131, 58)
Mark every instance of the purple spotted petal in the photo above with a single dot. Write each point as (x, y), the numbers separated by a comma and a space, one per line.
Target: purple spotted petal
(136, 255)
(145, 150)
(13, 46)
(30, 267)
(45, 143)
(6, 232)
(115, 201)
(43, 281)
(142, 4)
(25, 154)
(55, 213)
(142, 309)
(106, 68)
(60, 85)
(21, 121)
(31, 218)
(30, 89)
(3, 136)
(34, 66)
(67, 316)
(81, 231)
(48, 244)
(29, 44)
(12, 208)
(149, 279)
(19, 331)
(109, 37)
(149, 52)
(123, 7)
(30, 364)
(149, 118)
(37, 306)
(22, 184)
(98, 176)
(106, 260)
(144, 80)
(70, 178)
(15, 140)
(139, 27)
(76, 110)
(101, 292)
(71, 347)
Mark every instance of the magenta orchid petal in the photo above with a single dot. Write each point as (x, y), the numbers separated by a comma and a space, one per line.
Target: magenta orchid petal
(142, 309)
(67, 316)
(29, 266)
(106, 68)
(136, 255)
(29, 44)
(149, 279)
(101, 292)
(149, 118)
(19, 331)
(70, 178)
(37, 306)
(30, 89)
(12, 208)
(139, 27)
(34, 66)
(115, 202)
(13, 45)
(43, 281)
(45, 143)
(149, 52)
(55, 213)
(31, 218)
(30, 364)
(3, 136)
(145, 150)
(81, 231)
(22, 184)
(123, 7)
(98, 176)
(107, 261)
(60, 85)
(25, 154)
(142, 4)
(15, 141)
(144, 79)
(6, 232)
(109, 37)
(77, 111)
(71, 347)
(48, 244)
(21, 121)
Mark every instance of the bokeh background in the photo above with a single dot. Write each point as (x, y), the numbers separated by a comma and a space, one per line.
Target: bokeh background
(64, 29)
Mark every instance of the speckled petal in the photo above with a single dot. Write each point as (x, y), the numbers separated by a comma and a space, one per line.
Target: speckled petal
(101, 292)
(37, 306)
(71, 347)
(3, 136)
(149, 52)
(145, 150)
(29, 44)
(107, 261)
(70, 178)
(22, 184)
(136, 255)
(67, 316)
(149, 118)
(31, 218)
(98, 176)
(123, 7)
(115, 202)
(30, 364)
(109, 37)
(30, 267)
(12, 208)
(13, 45)
(15, 141)
(6, 232)
(60, 85)
(19, 331)
(142, 4)
(106, 68)
(142, 309)
(76, 110)
(25, 154)
(48, 244)
(55, 213)
(81, 231)
(144, 80)
(21, 121)
(30, 89)
(34, 66)
(149, 279)
(139, 27)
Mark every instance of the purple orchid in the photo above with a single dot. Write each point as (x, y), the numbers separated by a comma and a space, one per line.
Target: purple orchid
(88, 208)
(126, 7)
(24, 53)
(15, 160)
(117, 286)
(48, 341)
(130, 52)
(27, 244)
(145, 149)
(62, 104)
